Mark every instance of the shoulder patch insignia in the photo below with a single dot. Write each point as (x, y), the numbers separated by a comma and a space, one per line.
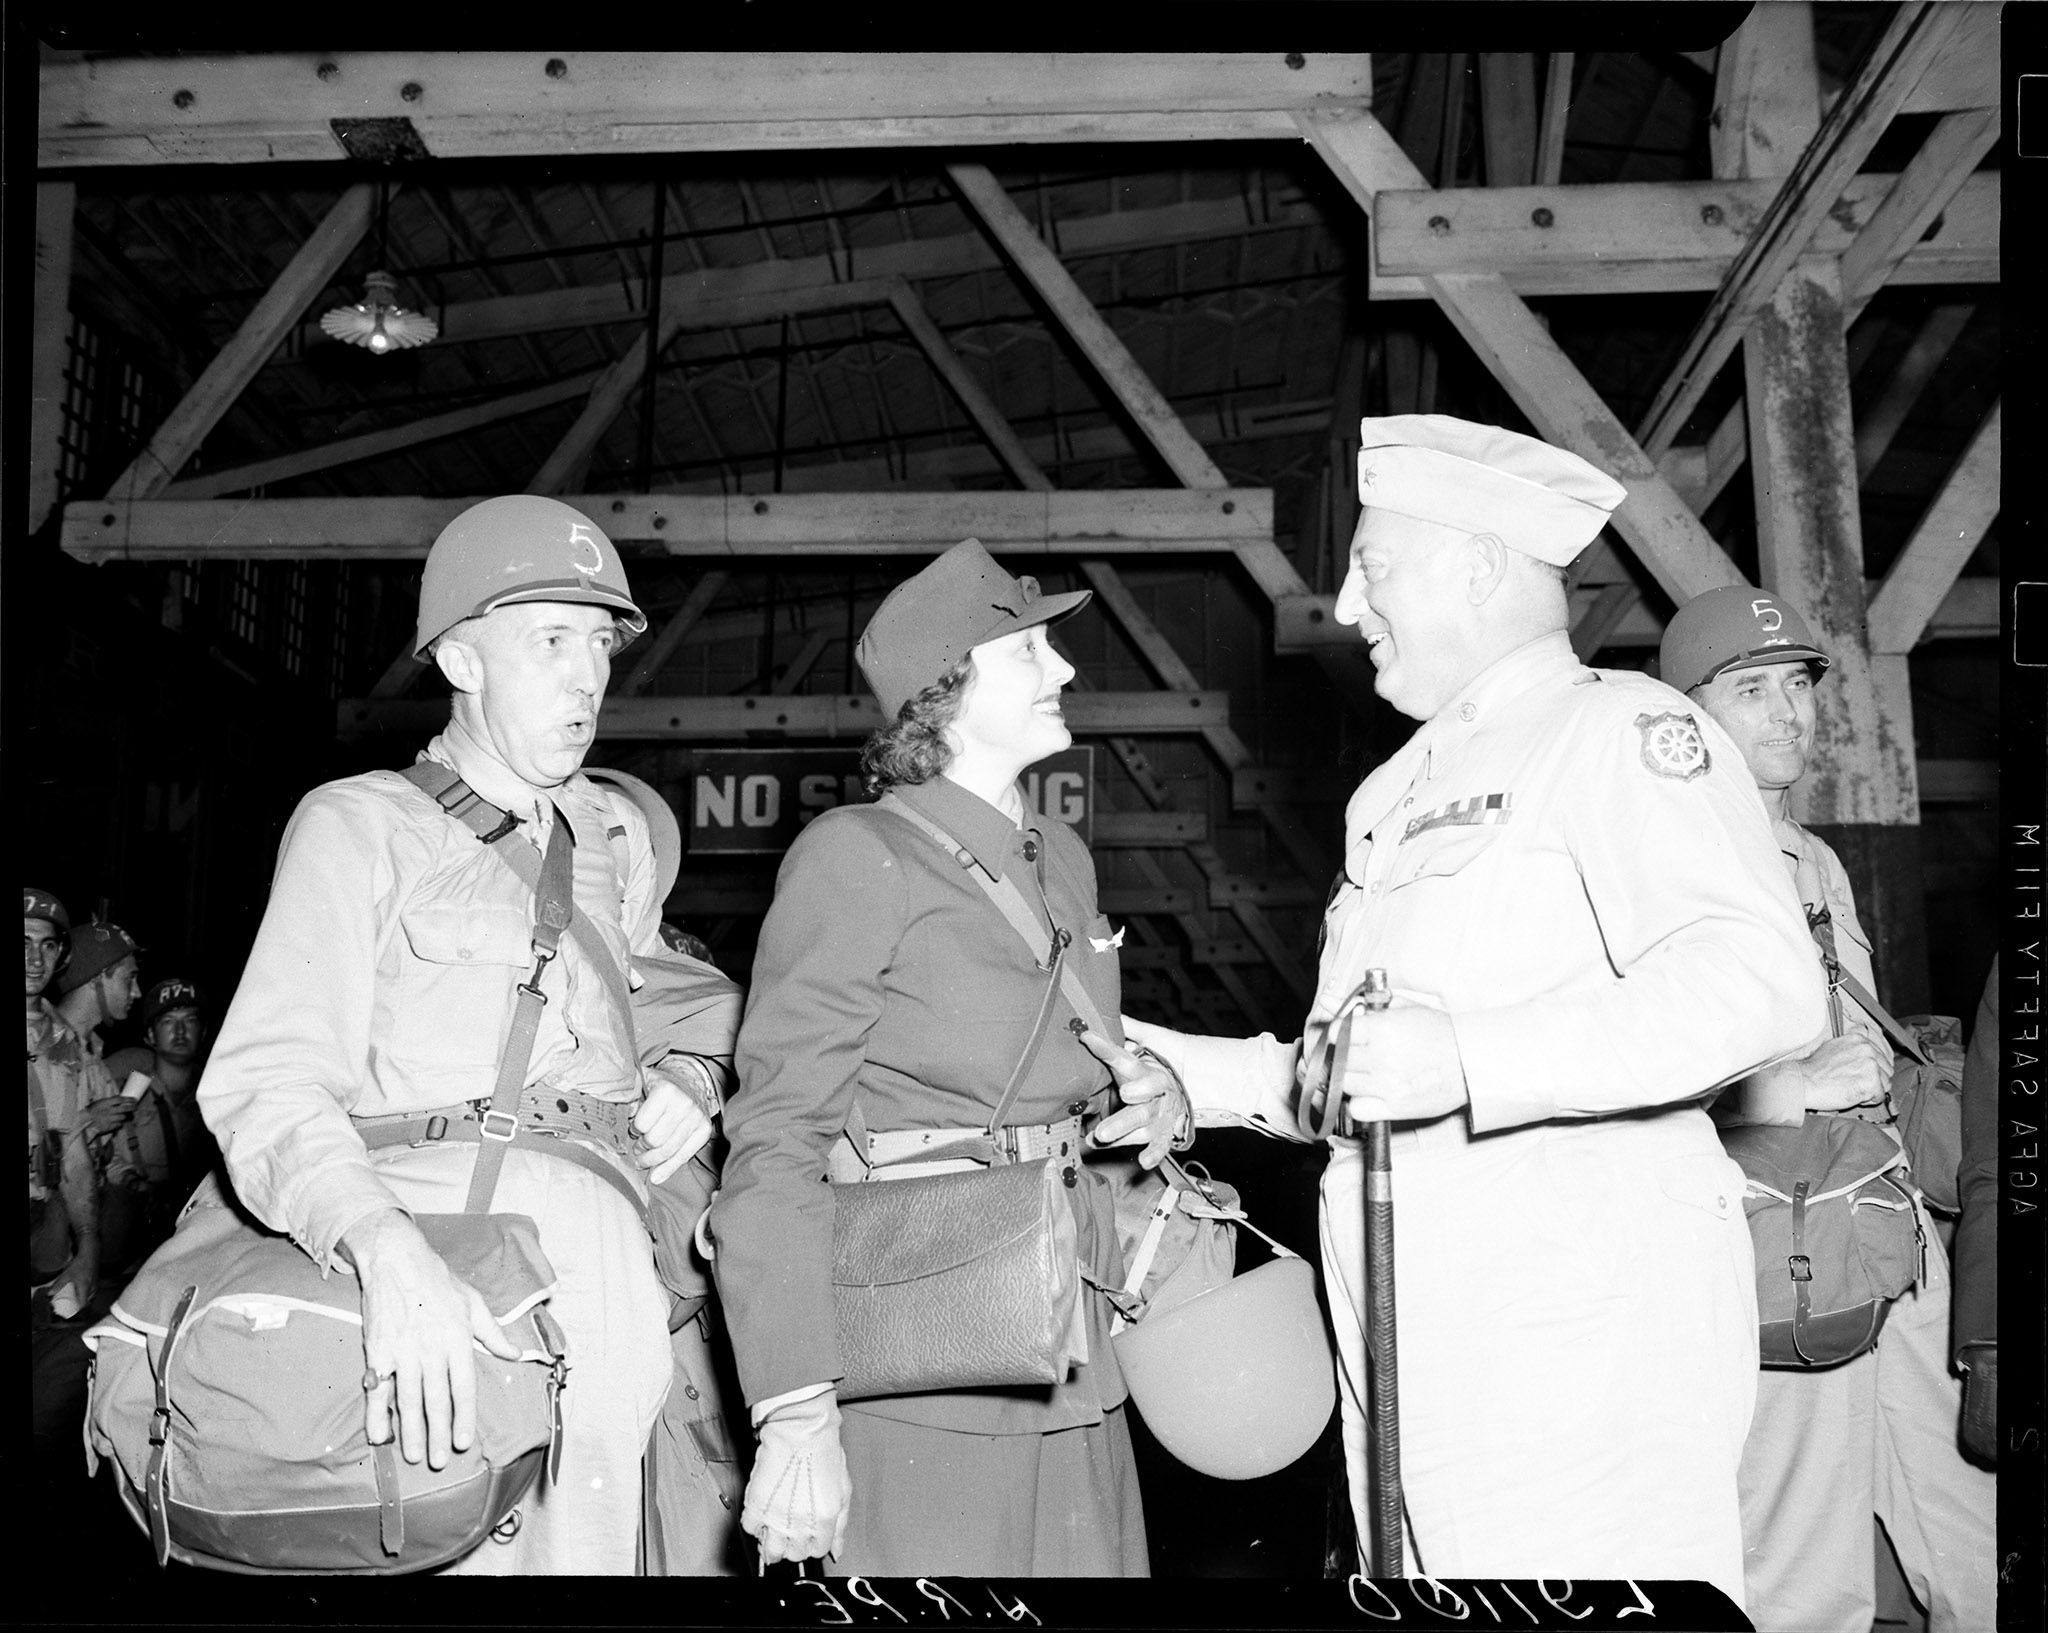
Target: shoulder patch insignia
(1673, 746)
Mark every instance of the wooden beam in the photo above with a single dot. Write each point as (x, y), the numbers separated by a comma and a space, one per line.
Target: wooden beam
(989, 420)
(1593, 627)
(622, 377)
(1129, 383)
(1923, 358)
(663, 647)
(1150, 830)
(1557, 107)
(1680, 554)
(49, 342)
(375, 444)
(807, 656)
(473, 104)
(1127, 521)
(1156, 420)
(1932, 179)
(723, 297)
(1309, 852)
(1934, 557)
(1917, 202)
(1967, 75)
(1627, 238)
(1802, 451)
(1917, 34)
(308, 272)
(1507, 116)
(688, 719)
(933, 467)
(1969, 611)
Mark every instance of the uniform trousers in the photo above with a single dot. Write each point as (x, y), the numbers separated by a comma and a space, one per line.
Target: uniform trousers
(935, 1502)
(614, 1311)
(1876, 1435)
(693, 1480)
(1576, 1347)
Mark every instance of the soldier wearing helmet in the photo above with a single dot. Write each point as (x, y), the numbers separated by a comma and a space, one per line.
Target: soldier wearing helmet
(154, 1163)
(100, 983)
(369, 1022)
(1876, 1434)
(63, 1206)
(1576, 899)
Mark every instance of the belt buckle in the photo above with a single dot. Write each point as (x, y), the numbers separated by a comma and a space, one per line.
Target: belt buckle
(509, 1121)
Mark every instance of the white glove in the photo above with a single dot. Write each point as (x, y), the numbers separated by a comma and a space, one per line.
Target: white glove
(798, 1495)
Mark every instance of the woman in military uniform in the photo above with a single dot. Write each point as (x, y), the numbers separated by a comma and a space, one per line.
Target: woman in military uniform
(886, 980)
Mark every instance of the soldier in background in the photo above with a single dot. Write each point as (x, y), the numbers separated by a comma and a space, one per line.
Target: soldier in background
(164, 1150)
(1877, 1434)
(64, 1296)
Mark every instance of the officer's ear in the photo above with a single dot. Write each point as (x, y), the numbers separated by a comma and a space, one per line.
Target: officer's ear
(460, 661)
(1488, 567)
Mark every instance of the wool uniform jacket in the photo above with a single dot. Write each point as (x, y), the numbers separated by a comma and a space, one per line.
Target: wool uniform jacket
(886, 977)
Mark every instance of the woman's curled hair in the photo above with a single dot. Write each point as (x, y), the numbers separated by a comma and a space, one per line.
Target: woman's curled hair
(912, 748)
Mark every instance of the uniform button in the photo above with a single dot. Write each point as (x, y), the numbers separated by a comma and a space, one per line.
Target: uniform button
(1030, 850)
(1076, 1107)
(462, 952)
(1408, 802)
(690, 1390)
(1466, 711)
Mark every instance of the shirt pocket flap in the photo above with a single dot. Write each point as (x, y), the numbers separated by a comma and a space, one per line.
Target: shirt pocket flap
(1713, 1184)
(1439, 852)
(466, 933)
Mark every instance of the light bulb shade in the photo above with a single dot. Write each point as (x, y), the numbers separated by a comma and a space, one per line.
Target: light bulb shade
(377, 321)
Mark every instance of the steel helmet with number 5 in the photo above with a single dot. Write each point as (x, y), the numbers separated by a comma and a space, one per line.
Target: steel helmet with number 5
(1735, 627)
(521, 547)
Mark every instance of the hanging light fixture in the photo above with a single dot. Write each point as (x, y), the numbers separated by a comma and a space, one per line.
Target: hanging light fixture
(377, 322)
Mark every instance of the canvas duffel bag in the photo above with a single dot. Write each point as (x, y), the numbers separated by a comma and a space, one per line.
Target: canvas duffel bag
(227, 1390)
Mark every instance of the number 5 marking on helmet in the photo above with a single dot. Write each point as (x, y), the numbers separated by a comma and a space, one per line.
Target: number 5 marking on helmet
(1762, 610)
(579, 534)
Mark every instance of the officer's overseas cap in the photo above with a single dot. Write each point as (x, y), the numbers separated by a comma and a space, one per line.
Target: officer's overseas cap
(1735, 627)
(936, 617)
(519, 547)
(174, 992)
(40, 904)
(1543, 501)
(95, 947)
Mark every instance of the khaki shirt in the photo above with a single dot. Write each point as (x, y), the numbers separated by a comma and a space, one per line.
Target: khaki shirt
(1574, 864)
(68, 1078)
(1821, 881)
(382, 981)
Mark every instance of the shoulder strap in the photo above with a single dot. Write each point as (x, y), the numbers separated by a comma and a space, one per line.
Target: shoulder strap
(554, 907)
(495, 827)
(1050, 954)
(1821, 923)
(1010, 902)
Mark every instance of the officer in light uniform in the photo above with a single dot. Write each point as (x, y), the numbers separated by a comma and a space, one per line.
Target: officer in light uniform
(380, 989)
(1588, 931)
(1877, 1434)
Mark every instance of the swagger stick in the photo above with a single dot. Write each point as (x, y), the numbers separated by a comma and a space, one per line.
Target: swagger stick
(1383, 1417)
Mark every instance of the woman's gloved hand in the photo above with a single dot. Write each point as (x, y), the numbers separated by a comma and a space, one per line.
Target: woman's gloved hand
(799, 1493)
